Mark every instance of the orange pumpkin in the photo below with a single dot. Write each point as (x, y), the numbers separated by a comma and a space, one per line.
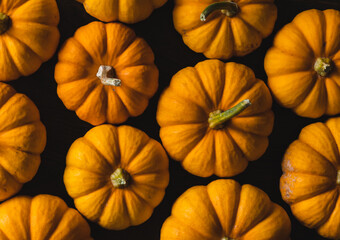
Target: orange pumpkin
(207, 123)
(105, 73)
(116, 175)
(303, 66)
(222, 29)
(28, 36)
(22, 139)
(128, 11)
(225, 210)
(311, 177)
(41, 217)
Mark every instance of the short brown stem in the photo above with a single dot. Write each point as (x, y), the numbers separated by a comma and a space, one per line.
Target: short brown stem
(107, 76)
(4, 23)
(120, 178)
(218, 118)
(338, 178)
(323, 66)
(228, 8)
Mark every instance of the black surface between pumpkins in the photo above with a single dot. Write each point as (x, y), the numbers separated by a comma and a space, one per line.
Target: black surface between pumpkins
(171, 55)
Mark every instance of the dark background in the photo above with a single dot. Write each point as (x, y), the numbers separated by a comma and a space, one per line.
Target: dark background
(63, 126)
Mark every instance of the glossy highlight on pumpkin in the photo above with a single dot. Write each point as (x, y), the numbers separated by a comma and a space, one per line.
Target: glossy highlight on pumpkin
(41, 217)
(222, 29)
(106, 73)
(29, 36)
(127, 11)
(303, 66)
(190, 104)
(22, 140)
(311, 177)
(116, 175)
(226, 210)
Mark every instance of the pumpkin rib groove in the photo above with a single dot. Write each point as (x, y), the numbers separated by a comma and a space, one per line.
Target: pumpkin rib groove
(142, 199)
(80, 46)
(17, 126)
(235, 143)
(337, 147)
(6, 100)
(127, 162)
(5, 49)
(135, 91)
(252, 27)
(93, 147)
(119, 99)
(4, 235)
(244, 131)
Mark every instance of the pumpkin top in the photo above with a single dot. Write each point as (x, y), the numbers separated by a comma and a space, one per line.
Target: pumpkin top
(106, 73)
(303, 64)
(311, 177)
(41, 217)
(226, 210)
(116, 175)
(215, 112)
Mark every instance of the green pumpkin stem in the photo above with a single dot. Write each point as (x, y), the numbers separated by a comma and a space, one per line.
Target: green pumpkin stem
(228, 8)
(4, 23)
(218, 118)
(120, 178)
(107, 76)
(323, 66)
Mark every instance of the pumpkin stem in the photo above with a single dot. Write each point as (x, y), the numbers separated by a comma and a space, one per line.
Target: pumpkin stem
(120, 178)
(107, 76)
(218, 118)
(4, 23)
(338, 178)
(226, 238)
(228, 8)
(323, 66)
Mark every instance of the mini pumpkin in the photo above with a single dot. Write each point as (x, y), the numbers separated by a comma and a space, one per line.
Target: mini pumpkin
(226, 210)
(311, 177)
(128, 11)
(215, 117)
(41, 217)
(303, 66)
(22, 139)
(222, 29)
(28, 36)
(116, 175)
(105, 73)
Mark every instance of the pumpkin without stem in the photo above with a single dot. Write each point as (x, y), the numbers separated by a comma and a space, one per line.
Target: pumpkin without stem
(105, 73)
(311, 177)
(128, 11)
(116, 175)
(22, 139)
(207, 123)
(303, 66)
(28, 36)
(222, 29)
(41, 217)
(225, 210)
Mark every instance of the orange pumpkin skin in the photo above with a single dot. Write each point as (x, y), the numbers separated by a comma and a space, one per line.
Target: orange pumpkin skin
(226, 210)
(113, 45)
(196, 92)
(41, 217)
(31, 36)
(22, 139)
(221, 36)
(291, 64)
(127, 11)
(92, 164)
(311, 177)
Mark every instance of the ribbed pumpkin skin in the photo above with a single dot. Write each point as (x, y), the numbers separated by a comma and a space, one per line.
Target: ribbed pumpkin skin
(127, 11)
(226, 210)
(289, 64)
(41, 217)
(111, 44)
(221, 36)
(311, 178)
(22, 139)
(32, 38)
(183, 112)
(93, 158)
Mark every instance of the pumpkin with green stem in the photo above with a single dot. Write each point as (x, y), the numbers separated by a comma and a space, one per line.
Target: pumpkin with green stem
(215, 118)
(222, 29)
